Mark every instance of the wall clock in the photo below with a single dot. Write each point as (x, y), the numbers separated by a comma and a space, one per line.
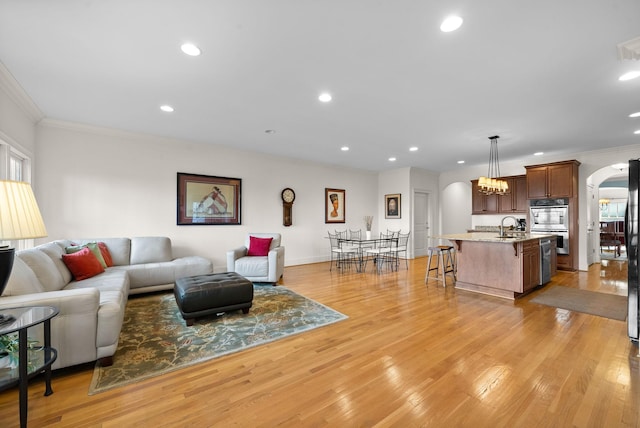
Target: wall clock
(288, 196)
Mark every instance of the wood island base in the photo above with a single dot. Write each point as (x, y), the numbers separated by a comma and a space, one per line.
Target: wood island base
(501, 267)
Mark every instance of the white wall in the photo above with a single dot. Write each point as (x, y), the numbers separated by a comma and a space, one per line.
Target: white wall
(390, 182)
(18, 115)
(95, 182)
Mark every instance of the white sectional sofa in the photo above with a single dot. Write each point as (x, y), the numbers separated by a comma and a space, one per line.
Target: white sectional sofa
(91, 311)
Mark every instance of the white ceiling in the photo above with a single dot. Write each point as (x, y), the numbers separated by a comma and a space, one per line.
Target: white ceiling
(541, 74)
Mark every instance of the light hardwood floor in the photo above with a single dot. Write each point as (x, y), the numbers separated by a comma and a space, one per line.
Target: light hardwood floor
(410, 355)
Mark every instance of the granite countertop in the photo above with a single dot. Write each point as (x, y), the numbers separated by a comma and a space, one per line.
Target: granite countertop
(511, 236)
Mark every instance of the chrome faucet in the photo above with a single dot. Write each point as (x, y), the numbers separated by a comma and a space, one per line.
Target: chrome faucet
(502, 234)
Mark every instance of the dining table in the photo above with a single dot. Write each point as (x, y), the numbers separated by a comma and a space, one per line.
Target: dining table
(362, 247)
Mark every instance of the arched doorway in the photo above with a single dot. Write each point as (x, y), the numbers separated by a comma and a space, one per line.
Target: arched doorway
(607, 196)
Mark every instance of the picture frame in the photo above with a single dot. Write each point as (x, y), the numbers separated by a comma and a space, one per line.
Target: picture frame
(392, 205)
(334, 205)
(208, 200)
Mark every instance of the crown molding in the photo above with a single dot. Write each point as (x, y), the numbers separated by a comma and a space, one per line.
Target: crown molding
(97, 130)
(17, 94)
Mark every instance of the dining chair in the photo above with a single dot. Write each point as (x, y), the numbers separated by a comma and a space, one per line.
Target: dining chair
(394, 233)
(342, 256)
(398, 246)
(355, 234)
(342, 234)
(380, 253)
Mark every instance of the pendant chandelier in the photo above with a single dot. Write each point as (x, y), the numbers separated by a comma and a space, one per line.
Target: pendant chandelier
(492, 184)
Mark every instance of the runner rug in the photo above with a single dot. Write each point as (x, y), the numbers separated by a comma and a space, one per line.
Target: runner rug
(155, 340)
(590, 302)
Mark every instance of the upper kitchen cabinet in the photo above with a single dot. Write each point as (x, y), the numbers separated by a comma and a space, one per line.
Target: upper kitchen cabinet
(513, 202)
(516, 201)
(553, 180)
(481, 203)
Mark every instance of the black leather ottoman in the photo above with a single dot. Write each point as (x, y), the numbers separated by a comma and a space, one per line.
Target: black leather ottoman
(202, 295)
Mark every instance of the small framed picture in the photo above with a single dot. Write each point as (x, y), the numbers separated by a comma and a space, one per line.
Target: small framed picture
(204, 199)
(392, 205)
(334, 209)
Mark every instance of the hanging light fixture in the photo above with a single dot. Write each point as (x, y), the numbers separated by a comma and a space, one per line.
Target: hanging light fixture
(492, 184)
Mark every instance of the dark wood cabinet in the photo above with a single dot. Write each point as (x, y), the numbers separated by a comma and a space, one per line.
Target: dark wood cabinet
(556, 180)
(559, 180)
(514, 202)
(530, 264)
(481, 203)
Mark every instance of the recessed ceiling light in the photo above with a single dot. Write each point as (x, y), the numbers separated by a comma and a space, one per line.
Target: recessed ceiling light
(450, 23)
(637, 132)
(538, 153)
(270, 131)
(460, 161)
(190, 49)
(325, 97)
(636, 114)
(166, 108)
(344, 148)
(413, 149)
(392, 159)
(630, 75)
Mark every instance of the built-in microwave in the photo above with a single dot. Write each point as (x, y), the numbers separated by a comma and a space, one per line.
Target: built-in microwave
(549, 218)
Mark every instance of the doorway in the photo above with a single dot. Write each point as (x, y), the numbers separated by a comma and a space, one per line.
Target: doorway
(421, 223)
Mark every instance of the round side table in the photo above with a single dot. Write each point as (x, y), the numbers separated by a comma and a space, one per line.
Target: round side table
(31, 362)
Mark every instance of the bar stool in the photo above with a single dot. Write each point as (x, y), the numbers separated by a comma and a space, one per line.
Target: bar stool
(444, 263)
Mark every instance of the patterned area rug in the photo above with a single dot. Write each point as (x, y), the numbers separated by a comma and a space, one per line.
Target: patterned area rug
(155, 340)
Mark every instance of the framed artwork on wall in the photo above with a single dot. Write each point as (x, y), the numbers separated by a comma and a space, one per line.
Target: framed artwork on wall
(208, 200)
(392, 205)
(334, 209)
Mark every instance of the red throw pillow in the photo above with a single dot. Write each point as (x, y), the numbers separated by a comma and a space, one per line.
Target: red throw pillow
(83, 264)
(106, 255)
(259, 246)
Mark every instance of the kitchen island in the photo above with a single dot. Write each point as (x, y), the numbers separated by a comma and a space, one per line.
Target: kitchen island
(506, 266)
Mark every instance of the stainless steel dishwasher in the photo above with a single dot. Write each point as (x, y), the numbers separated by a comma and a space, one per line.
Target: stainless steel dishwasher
(545, 261)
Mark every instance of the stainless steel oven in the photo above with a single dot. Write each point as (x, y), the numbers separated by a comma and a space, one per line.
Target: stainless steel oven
(549, 218)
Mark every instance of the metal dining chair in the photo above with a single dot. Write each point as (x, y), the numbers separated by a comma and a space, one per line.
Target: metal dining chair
(342, 255)
(398, 246)
(381, 252)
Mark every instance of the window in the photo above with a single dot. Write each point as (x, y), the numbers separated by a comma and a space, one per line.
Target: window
(613, 209)
(15, 166)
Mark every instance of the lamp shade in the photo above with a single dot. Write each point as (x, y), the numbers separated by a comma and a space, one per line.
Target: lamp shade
(19, 214)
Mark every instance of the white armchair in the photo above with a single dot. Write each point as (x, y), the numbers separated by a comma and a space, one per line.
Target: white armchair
(259, 268)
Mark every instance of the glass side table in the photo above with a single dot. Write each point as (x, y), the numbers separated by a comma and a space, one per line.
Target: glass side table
(31, 361)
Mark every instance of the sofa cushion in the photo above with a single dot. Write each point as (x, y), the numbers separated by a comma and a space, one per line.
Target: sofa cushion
(151, 274)
(277, 238)
(92, 246)
(83, 264)
(55, 252)
(259, 246)
(150, 249)
(252, 266)
(22, 280)
(44, 268)
(119, 248)
(106, 255)
(110, 280)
